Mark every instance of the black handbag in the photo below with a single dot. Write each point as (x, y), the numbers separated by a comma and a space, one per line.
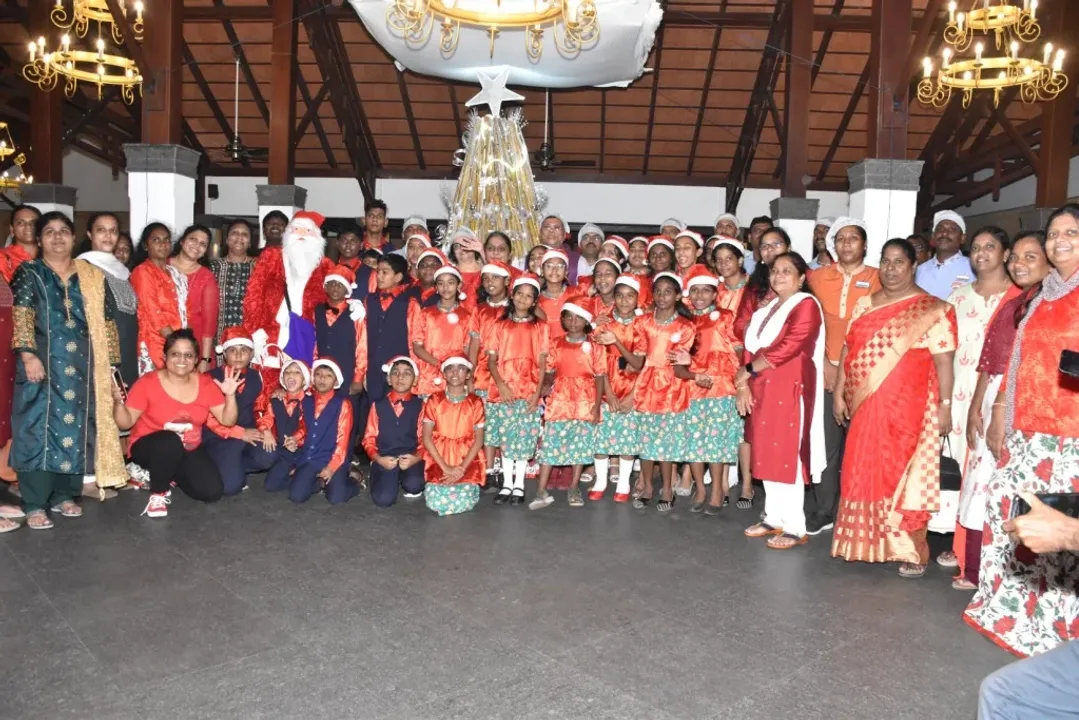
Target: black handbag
(951, 477)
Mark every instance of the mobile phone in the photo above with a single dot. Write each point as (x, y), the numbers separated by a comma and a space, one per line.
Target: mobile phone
(118, 381)
(1069, 363)
(1067, 503)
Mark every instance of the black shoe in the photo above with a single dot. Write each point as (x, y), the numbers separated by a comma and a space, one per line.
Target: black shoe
(493, 483)
(502, 498)
(816, 525)
(517, 499)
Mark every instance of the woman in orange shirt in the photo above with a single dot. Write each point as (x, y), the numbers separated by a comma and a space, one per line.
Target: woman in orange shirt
(728, 256)
(660, 396)
(619, 433)
(573, 409)
(439, 331)
(491, 307)
(713, 425)
(517, 359)
(452, 437)
(555, 290)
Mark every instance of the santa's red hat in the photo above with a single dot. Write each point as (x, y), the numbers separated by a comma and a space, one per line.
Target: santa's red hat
(660, 240)
(311, 216)
(401, 359)
(620, 243)
(698, 275)
(527, 279)
(435, 253)
(342, 274)
(304, 370)
(496, 267)
(332, 365)
(235, 336)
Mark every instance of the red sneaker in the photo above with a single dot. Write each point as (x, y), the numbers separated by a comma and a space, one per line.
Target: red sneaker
(158, 506)
(621, 497)
(595, 494)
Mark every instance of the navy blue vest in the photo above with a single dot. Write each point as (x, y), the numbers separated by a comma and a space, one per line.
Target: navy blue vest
(245, 400)
(284, 424)
(387, 337)
(321, 439)
(337, 341)
(363, 280)
(397, 435)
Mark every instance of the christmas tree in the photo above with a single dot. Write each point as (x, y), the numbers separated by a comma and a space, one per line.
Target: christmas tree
(496, 190)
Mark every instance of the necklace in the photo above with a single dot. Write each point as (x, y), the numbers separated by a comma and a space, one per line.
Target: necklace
(525, 319)
(707, 310)
(663, 323)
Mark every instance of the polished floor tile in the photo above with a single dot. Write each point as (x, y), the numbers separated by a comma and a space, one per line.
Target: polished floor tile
(257, 608)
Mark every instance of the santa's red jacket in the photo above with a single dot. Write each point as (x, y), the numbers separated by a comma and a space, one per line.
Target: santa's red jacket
(266, 292)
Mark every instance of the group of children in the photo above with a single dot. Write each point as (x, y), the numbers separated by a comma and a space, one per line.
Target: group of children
(503, 367)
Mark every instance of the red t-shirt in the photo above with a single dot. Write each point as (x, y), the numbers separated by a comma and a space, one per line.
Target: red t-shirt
(159, 408)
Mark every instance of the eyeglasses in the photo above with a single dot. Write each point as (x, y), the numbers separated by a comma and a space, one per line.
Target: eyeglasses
(773, 246)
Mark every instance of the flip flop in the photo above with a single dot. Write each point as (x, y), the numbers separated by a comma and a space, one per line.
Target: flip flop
(773, 542)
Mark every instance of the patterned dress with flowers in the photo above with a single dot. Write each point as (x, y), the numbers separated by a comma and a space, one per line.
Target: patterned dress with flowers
(443, 333)
(518, 348)
(660, 398)
(454, 424)
(483, 317)
(713, 425)
(569, 433)
(619, 433)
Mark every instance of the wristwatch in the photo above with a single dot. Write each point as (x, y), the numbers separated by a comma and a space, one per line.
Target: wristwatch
(750, 370)
(208, 361)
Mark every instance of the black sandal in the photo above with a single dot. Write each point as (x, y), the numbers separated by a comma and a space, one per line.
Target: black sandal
(665, 506)
(744, 503)
(641, 502)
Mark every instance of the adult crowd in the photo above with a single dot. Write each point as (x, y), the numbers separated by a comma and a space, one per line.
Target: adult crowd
(843, 384)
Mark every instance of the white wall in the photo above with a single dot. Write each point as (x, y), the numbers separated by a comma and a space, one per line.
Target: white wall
(97, 189)
(333, 197)
(756, 202)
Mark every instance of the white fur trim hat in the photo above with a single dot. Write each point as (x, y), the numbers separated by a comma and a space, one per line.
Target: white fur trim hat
(451, 270)
(235, 336)
(950, 215)
(303, 370)
(728, 241)
(640, 238)
(694, 236)
(333, 277)
(671, 275)
(590, 228)
(578, 311)
(554, 254)
(660, 241)
(419, 236)
(629, 281)
(431, 252)
(455, 360)
(673, 222)
(328, 363)
(401, 359)
(492, 269)
(615, 265)
(527, 280)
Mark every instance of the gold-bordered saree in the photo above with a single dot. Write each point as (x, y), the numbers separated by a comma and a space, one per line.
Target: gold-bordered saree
(891, 462)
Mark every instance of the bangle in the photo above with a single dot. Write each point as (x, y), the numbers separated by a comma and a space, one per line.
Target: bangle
(946, 401)
(999, 404)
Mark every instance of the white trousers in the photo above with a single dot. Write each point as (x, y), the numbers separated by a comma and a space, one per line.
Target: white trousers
(783, 506)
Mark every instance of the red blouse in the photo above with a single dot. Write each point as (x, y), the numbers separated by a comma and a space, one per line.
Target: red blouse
(203, 300)
(714, 355)
(517, 348)
(485, 316)
(159, 408)
(576, 366)
(443, 334)
(454, 426)
(658, 390)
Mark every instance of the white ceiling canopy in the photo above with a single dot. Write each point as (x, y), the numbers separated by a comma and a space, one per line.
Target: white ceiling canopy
(627, 31)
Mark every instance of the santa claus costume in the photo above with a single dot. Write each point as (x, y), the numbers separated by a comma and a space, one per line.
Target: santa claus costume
(285, 287)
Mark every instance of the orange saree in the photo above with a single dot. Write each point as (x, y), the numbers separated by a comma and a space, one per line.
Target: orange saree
(891, 464)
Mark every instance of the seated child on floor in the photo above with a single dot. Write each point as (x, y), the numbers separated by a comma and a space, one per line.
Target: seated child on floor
(391, 436)
(321, 462)
(237, 450)
(453, 423)
(282, 424)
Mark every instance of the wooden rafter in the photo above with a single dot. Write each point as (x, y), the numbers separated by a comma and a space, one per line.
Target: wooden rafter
(410, 118)
(456, 106)
(780, 127)
(245, 67)
(1007, 98)
(312, 110)
(825, 42)
(844, 121)
(705, 90)
(767, 73)
(652, 107)
(928, 30)
(603, 135)
(210, 99)
(311, 104)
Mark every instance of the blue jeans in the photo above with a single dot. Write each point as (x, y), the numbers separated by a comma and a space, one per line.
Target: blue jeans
(1043, 687)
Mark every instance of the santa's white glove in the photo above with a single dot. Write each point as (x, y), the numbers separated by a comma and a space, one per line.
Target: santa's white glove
(260, 338)
(356, 310)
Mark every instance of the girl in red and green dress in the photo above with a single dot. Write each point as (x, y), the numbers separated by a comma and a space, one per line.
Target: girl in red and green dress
(490, 308)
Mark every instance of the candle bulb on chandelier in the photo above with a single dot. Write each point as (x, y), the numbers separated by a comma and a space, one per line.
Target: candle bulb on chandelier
(33, 51)
(65, 41)
(1058, 62)
(100, 49)
(947, 57)
(978, 52)
(1015, 50)
(138, 11)
(927, 66)
(959, 21)
(1034, 9)
(1048, 53)
(951, 12)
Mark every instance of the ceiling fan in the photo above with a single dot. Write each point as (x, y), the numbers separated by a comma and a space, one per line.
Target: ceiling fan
(544, 158)
(234, 149)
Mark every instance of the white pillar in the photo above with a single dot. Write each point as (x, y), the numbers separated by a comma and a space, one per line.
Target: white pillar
(48, 197)
(289, 199)
(884, 193)
(798, 216)
(161, 186)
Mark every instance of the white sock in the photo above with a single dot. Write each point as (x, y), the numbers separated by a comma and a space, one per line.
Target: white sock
(507, 477)
(707, 477)
(625, 469)
(603, 473)
(519, 475)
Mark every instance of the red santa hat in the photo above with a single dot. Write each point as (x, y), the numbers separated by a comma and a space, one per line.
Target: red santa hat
(527, 279)
(694, 236)
(314, 218)
(235, 336)
(303, 371)
(573, 307)
(451, 270)
(660, 240)
(619, 242)
(435, 253)
(496, 267)
(699, 275)
(716, 240)
(341, 274)
(615, 265)
(421, 237)
(639, 238)
(455, 360)
(665, 274)
(401, 359)
(555, 254)
(327, 362)
(629, 281)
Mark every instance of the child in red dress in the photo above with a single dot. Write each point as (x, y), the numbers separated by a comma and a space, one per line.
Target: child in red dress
(453, 422)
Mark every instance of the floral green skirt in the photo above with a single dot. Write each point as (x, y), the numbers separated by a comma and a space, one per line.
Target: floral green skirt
(663, 437)
(451, 499)
(568, 442)
(619, 433)
(493, 418)
(713, 428)
(519, 429)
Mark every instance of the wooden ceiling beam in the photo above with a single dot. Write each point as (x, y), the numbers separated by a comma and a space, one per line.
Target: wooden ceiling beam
(793, 166)
(652, 107)
(284, 71)
(705, 89)
(410, 118)
(825, 41)
(1058, 115)
(844, 122)
(312, 109)
(886, 125)
(245, 67)
(767, 72)
(922, 41)
(312, 105)
(211, 100)
(603, 124)
(455, 105)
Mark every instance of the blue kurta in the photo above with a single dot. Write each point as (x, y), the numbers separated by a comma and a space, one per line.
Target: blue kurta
(53, 421)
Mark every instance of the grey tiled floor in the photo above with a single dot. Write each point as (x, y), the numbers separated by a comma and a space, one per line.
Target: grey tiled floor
(254, 608)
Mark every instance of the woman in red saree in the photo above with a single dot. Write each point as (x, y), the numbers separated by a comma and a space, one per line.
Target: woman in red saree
(203, 294)
(158, 287)
(894, 369)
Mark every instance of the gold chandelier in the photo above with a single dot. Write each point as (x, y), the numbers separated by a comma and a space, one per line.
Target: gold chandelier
(86, 11)
(99, 68)
(1011, 27)
(574, 23)
(7, 149)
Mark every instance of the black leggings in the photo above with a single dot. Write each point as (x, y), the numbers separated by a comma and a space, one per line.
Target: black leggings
(162, 454)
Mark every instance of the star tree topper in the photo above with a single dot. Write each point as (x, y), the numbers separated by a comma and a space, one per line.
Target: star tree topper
(494, 91)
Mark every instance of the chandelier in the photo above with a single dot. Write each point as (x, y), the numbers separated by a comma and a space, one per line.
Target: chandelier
(7, 149)
(45, 68)
(573, 23)
(85, 11)
(1011, 27)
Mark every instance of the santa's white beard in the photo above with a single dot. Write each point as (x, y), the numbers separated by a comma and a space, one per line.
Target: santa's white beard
(301, 256)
